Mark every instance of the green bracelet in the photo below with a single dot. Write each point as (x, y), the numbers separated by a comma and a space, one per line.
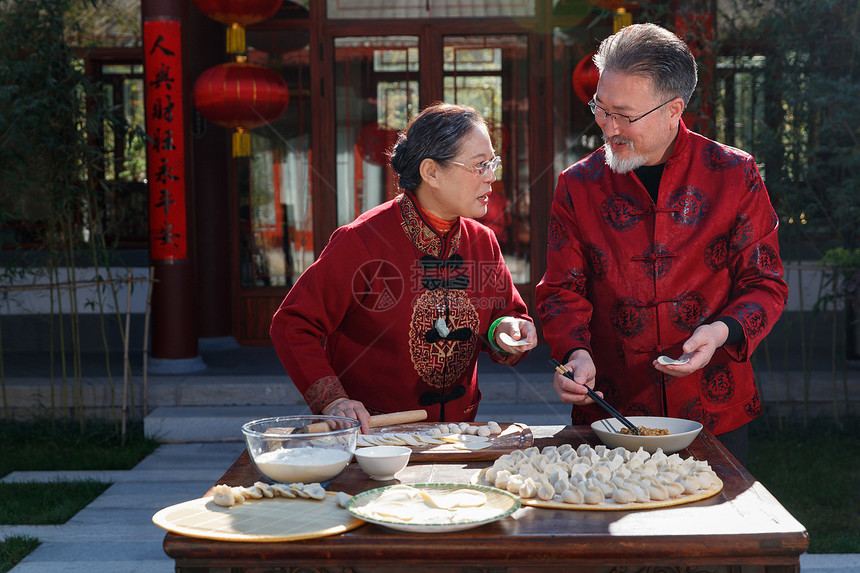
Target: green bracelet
(491, 336)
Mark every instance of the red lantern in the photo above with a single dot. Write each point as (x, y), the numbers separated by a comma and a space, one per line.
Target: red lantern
(585, 78)
(241, 96)
(375, 142)
(238, 15)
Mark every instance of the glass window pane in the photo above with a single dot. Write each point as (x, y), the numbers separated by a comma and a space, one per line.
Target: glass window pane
(575, 133)
(376, 93)
(490, 73)
(275, 209)
(126, 206)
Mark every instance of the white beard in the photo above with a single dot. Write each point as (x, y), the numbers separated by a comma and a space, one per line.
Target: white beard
(619, 165)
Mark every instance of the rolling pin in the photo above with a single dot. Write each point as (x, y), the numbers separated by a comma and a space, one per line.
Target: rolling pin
(375, 421)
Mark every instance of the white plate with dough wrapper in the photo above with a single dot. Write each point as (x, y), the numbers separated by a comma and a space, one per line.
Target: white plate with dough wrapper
(433, 507)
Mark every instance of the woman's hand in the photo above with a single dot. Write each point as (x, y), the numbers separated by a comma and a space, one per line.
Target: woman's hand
(346, 408)
(517, 329)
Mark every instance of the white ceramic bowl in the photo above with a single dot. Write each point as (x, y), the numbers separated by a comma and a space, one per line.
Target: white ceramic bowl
(681, 433)
(282, 454)
(382, 462)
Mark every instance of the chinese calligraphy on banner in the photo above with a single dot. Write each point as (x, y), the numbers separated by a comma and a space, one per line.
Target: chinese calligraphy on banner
(165, 157)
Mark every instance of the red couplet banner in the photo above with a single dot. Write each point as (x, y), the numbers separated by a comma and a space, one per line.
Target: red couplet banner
(165, 157)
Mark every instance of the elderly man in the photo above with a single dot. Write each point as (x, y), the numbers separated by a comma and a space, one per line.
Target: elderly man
(661, 242)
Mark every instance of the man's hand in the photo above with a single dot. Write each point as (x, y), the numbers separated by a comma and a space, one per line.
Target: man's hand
(573, 391)
(699, 348)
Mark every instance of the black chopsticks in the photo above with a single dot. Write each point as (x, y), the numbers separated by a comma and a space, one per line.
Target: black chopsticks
(594, 396)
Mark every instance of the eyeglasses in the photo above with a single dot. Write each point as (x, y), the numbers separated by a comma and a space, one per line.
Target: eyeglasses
(481, 168)
(602, 114)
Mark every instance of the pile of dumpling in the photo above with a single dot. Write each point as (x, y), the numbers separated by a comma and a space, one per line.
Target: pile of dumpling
(598, 475)
(227, 496)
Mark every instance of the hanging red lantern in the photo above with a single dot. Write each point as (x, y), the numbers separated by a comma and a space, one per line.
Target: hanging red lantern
(241, 96)
(375, 142)
(238, 15)
(585, 77)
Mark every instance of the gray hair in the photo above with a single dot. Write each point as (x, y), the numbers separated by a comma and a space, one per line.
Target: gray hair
(650, 51)
(436, 133)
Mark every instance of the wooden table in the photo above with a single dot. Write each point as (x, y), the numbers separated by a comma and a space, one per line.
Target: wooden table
(743, 528)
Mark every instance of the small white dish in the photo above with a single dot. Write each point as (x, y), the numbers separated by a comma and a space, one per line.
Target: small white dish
(506, 338)
(382, 462)
(667, 361)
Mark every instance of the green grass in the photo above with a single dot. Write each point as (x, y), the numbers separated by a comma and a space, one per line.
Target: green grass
(14, 549)
(814, 472)
(62, 445)
(45, 503)
(44, 445)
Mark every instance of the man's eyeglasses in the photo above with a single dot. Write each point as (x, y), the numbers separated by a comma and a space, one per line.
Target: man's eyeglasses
(602, 114)
(481, 168)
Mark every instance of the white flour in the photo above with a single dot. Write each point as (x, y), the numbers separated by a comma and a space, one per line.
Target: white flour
(305, 465)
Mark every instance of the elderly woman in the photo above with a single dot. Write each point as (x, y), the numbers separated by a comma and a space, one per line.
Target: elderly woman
(394, 312)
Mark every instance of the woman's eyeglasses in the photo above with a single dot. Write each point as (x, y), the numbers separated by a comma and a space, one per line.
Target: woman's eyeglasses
(481, 168)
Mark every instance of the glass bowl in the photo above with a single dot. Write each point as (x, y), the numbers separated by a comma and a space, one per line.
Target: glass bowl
(283, 453)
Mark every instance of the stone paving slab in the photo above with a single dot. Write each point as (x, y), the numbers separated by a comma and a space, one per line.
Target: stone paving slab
(164, 565)
(115, 530)
(829, 563)
(111, 476)
(134, 495)
(119, 522)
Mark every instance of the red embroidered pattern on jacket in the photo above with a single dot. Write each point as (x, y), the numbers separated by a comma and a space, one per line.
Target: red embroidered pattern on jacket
(323, 392)
(422, 236)
(442, 363)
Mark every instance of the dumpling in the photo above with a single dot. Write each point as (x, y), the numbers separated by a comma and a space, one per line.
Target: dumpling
(529, 489)
(342, 498)
(690, 483)
(223, 495)
(283, 490)
(656, 490)
(623, 495)
(639, 492)
(707, 479)
(515, 482)
(592, 495)
(674, 488)
(250, 492)
(265, 489)
(502, 478)
(572, 495)
(546, 492)
(315, 491)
